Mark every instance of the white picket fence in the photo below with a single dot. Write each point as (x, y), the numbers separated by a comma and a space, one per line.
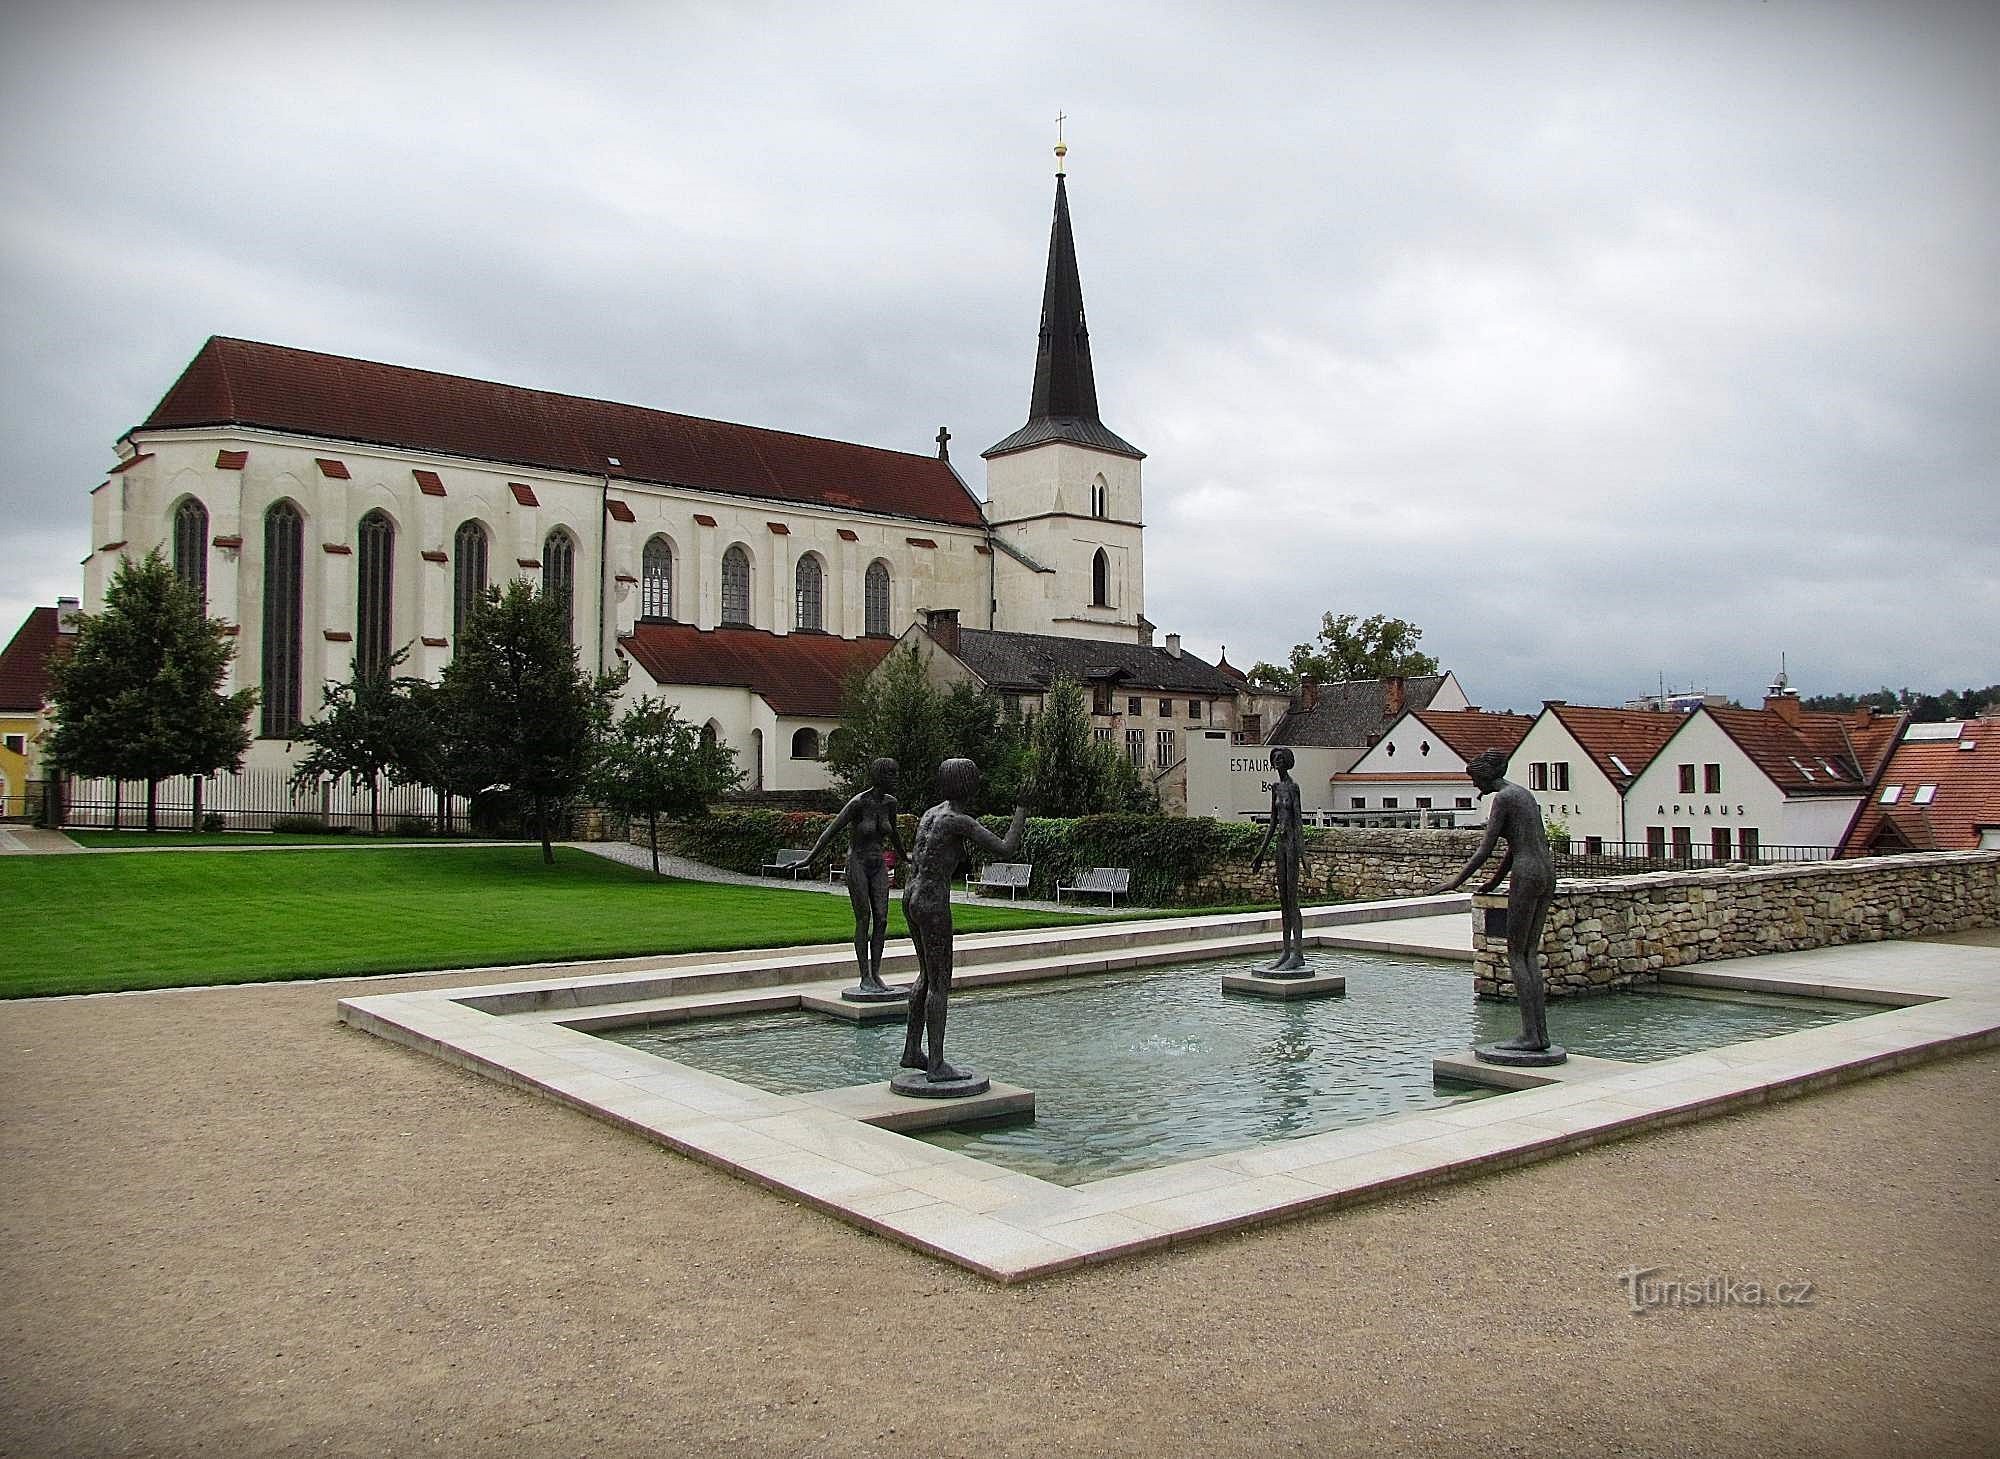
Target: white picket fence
(247, 801)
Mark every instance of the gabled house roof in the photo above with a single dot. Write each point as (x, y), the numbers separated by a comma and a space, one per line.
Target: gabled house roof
(1470, 732)
(237, 382)
(1620, 742)
(798, 674)
(1963, 784)
(24, 663)
(1030, 662)
(1354, 712)
(1808, 752)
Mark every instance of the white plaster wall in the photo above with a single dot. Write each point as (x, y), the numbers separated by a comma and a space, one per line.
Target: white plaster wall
(1747, 799)
(1228, 782)
(1591, 806)
(1023, 490)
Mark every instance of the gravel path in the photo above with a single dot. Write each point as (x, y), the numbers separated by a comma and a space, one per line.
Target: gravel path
(230, 1226)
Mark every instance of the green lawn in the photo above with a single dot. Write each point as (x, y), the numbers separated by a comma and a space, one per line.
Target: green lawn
(92, 924)
(140, 840)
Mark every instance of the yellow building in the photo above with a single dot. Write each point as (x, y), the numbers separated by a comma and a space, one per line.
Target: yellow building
(24, 682)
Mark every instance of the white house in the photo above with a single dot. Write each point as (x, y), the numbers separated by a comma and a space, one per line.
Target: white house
(1419, 764)
(1578, 761)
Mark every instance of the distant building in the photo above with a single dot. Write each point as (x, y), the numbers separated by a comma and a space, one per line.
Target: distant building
(1678, 701)
(24, 687)
(1419, 766)
(1353, 714)
(1939, 792)
(1579, 760)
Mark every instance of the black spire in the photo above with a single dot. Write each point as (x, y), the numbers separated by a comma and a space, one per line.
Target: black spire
(1064, 405)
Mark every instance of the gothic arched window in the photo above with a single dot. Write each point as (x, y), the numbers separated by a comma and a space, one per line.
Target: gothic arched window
(559, 577)
(809, 583)
(284, 601)
(656, 580)
(875, 598)
(374, 592)
(1100, 579)
(805, 744)
(736, 586)
(191, 545)
(1100, 498)
(468, 574)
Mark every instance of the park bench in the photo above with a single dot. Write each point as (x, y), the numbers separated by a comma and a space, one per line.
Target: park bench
(1013, 875)
(1109, 880)
(789, 862)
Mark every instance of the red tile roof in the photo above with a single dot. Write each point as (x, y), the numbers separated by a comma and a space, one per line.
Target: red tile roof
(127, 465)
(796, 673)
(1633, 735)
(429, 482)
(1808, 752)
(239, 382)
(24, 663)
(1470, 732)
(620, 512)
(1967, 795)
(523, 493)
(331, 469)
(231, 460)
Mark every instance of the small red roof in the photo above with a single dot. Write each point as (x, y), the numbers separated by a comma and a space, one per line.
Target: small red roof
(1635, 736)
(240, 382)
(429, 482)
(331, 469)
(24, 663)
(523, 493)
(231, 460)
(796, 673)
(620, 512)
(1966, 794)
(1470, 732)
(1810, 752)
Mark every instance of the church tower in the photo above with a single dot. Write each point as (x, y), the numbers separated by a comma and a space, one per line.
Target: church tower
(1062, 492)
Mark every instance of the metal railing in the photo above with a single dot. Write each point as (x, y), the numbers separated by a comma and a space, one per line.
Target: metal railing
(1579, 857)
(250, 800)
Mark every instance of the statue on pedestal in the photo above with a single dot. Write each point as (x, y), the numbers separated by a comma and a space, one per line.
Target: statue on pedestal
(1514, 816)
(942, 839)
(1283, 827)
(870, 821)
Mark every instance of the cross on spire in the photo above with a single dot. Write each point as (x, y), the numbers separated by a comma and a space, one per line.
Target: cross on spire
(944, 447)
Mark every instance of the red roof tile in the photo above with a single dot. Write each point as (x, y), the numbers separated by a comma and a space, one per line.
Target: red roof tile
(796, 673)
(232, 542)
(431, 554)
(336, 549)
(331, 469)
(336, 635)
(1808, 752)
(703, 520)
(239, 382)
(847, 535)
(231, 460)
(429, 482)
(124, 466)
(779, 529)
(620, 512)
(523, 493)
(24, 663)
(1470, 732)
(1633, 735)
(1967, 795)
(527, 562)
(433, 642)
(920, 542)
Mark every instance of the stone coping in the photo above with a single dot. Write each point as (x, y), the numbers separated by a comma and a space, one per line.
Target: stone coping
(1012, 1227)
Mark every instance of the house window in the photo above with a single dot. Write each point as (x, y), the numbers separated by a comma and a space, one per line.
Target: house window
(1746, 843)
(1538, 775)
(1391, 802)
(1711, 779)
(374, 592)
(656, 581)
(1463, 802)
(1558, 775)
(1687, 779)
(736, 586)
(468, 574)
(1135, 746)
(1593, 845)
(1423, 802)
(1100, 579)
(805, 744)
(1718, 843)
(284, 586)
(1683, 843)
(18, 744)
(559, 578)
(1656, 842)
(1166, 709)
(1134, 705)
(808, 590)
(1163, 748)
(1100, 699)
(875, 599)
(191, 546)
(1194, 710)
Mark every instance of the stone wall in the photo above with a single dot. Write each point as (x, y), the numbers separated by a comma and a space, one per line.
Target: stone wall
(1343, 866)
(1612, 933)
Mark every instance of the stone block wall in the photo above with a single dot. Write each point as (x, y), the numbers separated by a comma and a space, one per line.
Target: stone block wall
(1343, 866)
(1612, 933)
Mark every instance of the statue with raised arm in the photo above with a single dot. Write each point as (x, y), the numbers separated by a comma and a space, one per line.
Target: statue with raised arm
(943, 836)
(1283, 827)
(1515, 817)
(870, 822)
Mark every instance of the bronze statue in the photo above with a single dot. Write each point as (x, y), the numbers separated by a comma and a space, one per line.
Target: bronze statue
(942, 837)
(870, 821)
(1284, 828)
(1515, 817)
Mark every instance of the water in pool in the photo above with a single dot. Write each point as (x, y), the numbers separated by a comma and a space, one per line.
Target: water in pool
(1145, 1068)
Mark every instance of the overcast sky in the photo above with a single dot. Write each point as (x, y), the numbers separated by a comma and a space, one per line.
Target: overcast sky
(1603, 341)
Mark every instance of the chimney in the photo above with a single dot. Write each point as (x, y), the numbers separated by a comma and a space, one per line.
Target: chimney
(66, 611)
(1555, 704)
(942, 625)
(1173, 645)
(1309, 694)
(1785, 706)
(1392, 695)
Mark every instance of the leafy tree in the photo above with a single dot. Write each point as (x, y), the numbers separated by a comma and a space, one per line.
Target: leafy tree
(360, 732)
(1068, 771)
(530, 718)
(654, 763)
(898, 712)
(434, 749)
(1351, 647)
(139, 695)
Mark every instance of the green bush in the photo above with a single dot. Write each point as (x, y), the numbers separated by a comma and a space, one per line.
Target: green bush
(299, 825)
(211, 822)
(412, 826)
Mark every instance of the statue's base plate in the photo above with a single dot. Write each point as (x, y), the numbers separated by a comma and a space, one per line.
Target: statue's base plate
(916, 1084)
(860, 993)
(886, 1010)
(1285, 985)
(1520, 1058)
(877, 1105)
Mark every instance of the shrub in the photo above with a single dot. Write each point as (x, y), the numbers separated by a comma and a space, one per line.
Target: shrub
(299, 825)
(412, 826)
(211, 822)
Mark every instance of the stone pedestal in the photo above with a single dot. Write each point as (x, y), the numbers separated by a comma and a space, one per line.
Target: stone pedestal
(1520, 1058)
(875, 1104)
(915, 1084)
(1266, 985)
(893, 1009)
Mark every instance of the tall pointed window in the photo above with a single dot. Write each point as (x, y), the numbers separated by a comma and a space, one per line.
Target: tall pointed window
(1100, 498)
(468, 574)
(374, 592)
(656, 581)
(1100, 579)
(736, 586)
(191, 545)
(875, 598)
(284, 589)
(809, 584)
(559, 577)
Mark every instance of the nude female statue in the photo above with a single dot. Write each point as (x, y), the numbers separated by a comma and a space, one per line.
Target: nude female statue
(1516, 818)
(942, 838)
(1284, 828)
(870, 821)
